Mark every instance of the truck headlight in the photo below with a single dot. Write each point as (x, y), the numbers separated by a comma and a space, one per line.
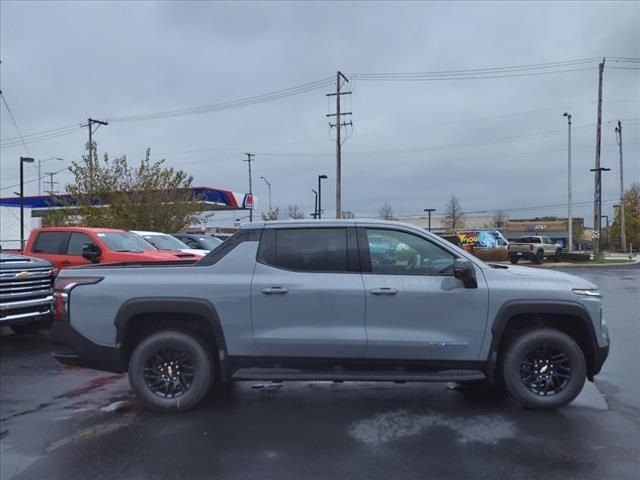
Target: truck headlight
(587, 292)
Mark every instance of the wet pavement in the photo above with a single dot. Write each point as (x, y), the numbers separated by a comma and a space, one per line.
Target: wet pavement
(66, 423)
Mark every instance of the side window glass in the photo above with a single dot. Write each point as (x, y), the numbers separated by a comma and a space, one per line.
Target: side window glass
(77, 242)
(51, 242)
(306, 249)
(399, 253)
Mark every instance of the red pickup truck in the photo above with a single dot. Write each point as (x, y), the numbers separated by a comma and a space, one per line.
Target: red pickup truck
(74, 246)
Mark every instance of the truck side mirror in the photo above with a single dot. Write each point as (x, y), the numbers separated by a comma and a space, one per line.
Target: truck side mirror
(91, 252)
(465, 271)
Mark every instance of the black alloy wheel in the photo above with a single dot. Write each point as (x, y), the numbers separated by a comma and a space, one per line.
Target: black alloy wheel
(169, 373)
(545, 370)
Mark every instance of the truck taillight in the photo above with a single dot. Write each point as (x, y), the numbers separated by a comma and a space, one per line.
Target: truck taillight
(61, 290)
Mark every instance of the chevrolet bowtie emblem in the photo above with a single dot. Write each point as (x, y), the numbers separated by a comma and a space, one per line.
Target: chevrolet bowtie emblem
(23, 275)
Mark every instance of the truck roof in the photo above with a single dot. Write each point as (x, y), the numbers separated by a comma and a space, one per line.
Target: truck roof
(79, 229)
(327, 222)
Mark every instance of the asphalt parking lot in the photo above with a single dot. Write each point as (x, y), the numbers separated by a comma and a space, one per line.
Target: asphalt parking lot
(66, 423)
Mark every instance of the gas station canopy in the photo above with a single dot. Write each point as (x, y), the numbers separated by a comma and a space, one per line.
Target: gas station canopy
(212, 198)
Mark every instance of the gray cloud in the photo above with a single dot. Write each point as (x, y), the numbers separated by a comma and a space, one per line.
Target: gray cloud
(63, 62)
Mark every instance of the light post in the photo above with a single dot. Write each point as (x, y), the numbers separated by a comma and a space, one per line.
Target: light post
(269, 187)
(429, 210)
(23, 160)
(569, 200)
(320, 178)
(315, 209)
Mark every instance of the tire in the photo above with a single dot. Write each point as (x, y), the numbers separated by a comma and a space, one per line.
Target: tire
(558, 256)
(184, 361)
(27, 328)
(539, 258)
(526, 382)
(514, 259)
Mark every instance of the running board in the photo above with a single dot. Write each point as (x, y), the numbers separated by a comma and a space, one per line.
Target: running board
(278, 375)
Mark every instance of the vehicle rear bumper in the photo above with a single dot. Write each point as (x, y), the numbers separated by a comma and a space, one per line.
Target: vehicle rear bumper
(72, 348)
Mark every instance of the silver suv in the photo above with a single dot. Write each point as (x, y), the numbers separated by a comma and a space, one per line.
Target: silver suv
(332, 300)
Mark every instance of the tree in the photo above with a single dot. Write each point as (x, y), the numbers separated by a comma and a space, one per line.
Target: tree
(348, 214)
(453, 215)
(271, 214)
(386, 212)
(294, 212)
(500, 219)
(115, 194)
(631, 199)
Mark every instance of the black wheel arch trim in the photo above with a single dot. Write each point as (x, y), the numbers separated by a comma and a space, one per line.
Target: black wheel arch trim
(544, 307)
(178, 305)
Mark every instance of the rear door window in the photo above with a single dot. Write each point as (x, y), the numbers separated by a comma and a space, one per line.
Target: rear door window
(51, 242)
(306, 249)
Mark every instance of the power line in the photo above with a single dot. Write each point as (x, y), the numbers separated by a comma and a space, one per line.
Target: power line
(33, 180)
(267, 97)
(15, 124)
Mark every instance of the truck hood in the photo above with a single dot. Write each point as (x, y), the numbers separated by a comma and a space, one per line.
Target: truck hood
(14, 260)
(156, 256)
(542, 273)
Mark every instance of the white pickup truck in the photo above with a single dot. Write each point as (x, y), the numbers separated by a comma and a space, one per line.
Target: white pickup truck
(534, 248)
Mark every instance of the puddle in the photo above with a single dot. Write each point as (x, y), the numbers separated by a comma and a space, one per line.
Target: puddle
(94, 384)
(390, 426)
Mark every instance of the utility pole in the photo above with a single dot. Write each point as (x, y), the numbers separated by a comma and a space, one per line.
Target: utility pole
(569, 194)
(429, 210)
(250, 157)
(89, 124)
(51, 190)
(339, 125)
(39, 177)
(597, 204)
(623, 232)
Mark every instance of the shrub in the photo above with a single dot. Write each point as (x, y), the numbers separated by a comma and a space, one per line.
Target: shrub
(491, 254)
(576, 257)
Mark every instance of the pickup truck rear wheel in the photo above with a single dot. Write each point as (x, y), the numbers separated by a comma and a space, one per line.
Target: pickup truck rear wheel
(558, 256)
(171, 370)
(539, 258)
(514, 259)
(544, 369)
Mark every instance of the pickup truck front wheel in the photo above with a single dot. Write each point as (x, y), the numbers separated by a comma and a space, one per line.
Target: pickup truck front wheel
(544, 369)
(170, 370)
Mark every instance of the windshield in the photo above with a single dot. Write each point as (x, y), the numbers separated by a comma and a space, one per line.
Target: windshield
(124, 242)
(165, 242)
(208, 243)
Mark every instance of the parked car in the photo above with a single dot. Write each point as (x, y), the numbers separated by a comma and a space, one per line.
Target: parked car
(75, 246)
(164, 241)
(222, 236)
(202, 242)
(302, 300)
(26, 293)
(534, 248)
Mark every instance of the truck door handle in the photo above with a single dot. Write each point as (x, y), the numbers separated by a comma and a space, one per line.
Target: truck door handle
(275, 290)
(383, 291)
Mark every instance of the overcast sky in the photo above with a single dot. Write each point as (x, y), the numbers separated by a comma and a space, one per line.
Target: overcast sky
(65, 61)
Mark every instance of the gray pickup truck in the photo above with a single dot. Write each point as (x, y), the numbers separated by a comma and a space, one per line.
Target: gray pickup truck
(320, 300)
(26, 292)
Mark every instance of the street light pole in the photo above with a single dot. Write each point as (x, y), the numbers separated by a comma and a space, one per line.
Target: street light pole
(570, 196)
(269, 187)
(23, 160)
(429, 210)
(320, 178)
(315, 209)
